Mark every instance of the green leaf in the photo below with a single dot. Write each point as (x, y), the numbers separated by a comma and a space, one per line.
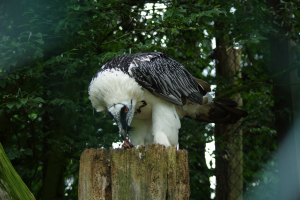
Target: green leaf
(168, 13)
(5, 38)
(18, 105)
(28, 152)
(39, 53)
(71, 141)
(261, 38)
(2, 83)
(38, 34)
(92, 138)
(77, 7)
(13, 153)
(182, 10)
(175, 30)
(33, 20)
(15, 44)
(24, 100)
(3, 46)
(10, 104)
(40, 41)
(23, 25)
(81, 32)
(39, 147)
(26, 13)
(180, 15)
(58, 58)
(38, 99)
(50, 61)
(13, 62)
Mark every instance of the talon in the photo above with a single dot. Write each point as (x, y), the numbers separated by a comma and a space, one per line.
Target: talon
(127, 144)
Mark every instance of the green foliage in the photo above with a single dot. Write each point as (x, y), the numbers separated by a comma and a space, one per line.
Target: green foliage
(50, 50)
(193, 137)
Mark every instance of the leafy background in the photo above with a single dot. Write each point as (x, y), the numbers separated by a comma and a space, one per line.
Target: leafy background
(51, 49)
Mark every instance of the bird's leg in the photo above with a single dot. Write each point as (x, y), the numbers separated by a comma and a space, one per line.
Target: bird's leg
(165, 123)
(160, 137)
(141, 133)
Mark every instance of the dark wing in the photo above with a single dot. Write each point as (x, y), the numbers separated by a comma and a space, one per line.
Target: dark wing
(166, 78)
(222, 111)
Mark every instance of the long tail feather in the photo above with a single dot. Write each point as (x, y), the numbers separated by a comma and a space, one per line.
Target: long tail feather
(221, 111)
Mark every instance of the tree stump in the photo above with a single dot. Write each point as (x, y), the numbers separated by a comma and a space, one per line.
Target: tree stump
(151, 172)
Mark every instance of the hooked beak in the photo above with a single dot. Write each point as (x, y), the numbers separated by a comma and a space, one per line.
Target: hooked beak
(122, 115)
(124, 128)
(123, 133)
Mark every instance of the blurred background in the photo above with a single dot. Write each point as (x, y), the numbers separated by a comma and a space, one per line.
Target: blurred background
(248, 50)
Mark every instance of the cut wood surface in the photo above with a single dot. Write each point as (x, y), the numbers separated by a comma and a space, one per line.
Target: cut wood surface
(151, 172)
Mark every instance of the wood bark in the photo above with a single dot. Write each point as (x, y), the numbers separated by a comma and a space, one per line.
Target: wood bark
(11, 185)
(229, 148)
(151, 172)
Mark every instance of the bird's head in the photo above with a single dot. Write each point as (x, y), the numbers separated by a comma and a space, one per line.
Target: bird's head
(122, 113)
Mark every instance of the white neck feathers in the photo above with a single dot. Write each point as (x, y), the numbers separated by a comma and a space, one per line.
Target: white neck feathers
(112, 86)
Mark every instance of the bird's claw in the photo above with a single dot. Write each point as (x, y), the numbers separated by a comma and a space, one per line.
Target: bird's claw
(127, 144)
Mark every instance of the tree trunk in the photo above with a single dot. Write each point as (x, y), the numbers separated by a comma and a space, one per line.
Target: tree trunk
(229, 149)
(154, 172)
(11, 185)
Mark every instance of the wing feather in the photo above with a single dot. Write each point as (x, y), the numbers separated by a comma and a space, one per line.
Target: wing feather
(166, 78)
(160, 75)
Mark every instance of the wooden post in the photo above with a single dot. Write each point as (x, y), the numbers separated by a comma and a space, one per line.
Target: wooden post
(151, 172)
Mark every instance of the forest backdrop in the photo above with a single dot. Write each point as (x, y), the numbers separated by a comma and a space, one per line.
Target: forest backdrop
(51, 49)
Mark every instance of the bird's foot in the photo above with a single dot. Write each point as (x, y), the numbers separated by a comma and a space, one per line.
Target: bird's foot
(127, 144)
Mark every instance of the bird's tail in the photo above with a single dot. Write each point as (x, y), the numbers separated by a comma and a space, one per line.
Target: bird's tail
(221, 111)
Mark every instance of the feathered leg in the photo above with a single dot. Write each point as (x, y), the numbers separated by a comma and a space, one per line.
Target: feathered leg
(166, 123)
(142, 132)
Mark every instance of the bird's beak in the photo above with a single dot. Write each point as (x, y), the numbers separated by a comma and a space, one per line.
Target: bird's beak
(124, 127)
(123, 133)
(122, 117)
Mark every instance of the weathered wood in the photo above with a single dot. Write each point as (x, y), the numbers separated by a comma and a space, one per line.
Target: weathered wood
(151, 172)
(11, 185)
(94, 175)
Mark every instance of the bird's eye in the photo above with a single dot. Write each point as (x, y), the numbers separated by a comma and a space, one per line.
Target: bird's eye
(126, 110)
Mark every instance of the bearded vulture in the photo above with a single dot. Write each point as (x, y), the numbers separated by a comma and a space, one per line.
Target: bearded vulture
(148, 93)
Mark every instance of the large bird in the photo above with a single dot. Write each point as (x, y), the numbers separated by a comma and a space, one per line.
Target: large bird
(148, 93)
